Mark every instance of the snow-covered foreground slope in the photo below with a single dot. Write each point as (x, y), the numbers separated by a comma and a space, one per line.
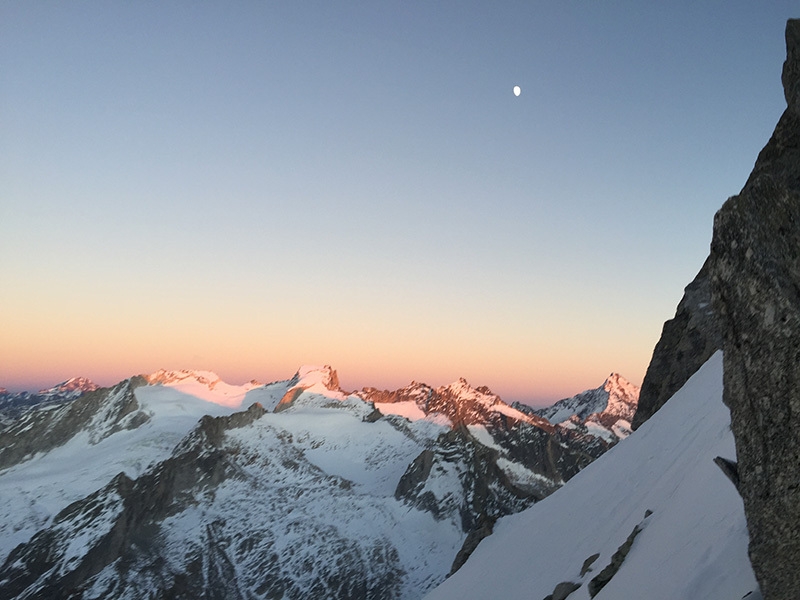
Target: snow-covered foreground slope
(692, 546)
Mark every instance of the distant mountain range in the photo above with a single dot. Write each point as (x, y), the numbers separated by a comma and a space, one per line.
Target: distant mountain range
(66, 390)
(178, 485)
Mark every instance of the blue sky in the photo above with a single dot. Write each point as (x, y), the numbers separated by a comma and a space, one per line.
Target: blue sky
(250, 188)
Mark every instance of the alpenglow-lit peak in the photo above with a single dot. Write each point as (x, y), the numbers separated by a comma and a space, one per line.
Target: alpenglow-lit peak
(617, 397)
(75, 384)
(318, 379)
(205, 385)
(456, 404)
(623, 396)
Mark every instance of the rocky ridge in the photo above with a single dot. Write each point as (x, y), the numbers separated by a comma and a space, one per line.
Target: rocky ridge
(100, 412)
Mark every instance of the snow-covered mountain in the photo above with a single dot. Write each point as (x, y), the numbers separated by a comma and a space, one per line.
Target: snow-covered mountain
(605, 413)
(73, 387)
(179, 485)
(616, 397)
(653, 518)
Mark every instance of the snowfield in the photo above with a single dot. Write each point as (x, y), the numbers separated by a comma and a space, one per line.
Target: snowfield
(692, 546)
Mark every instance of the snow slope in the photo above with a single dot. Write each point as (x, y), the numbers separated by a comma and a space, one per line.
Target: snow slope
(692, 546)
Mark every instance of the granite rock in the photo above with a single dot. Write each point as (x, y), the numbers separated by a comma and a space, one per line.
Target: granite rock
(755, 285)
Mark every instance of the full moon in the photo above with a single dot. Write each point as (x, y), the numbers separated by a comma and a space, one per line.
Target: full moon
(517, 90)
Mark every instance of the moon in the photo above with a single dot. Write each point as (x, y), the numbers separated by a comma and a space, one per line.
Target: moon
(517, 90)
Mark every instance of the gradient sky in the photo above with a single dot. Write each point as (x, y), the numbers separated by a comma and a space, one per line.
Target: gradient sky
(250, 188)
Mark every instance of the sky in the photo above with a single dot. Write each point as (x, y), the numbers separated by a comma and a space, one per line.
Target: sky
(250, 188)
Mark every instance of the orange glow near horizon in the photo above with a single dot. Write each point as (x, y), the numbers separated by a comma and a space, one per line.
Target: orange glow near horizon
(510, 367)
(265, 331)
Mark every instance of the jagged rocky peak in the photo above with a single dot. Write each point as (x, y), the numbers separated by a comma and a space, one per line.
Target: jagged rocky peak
(459, 390)
(617, 398)
(455, 404)
(755, 281)
(462, 390)
(321, 380)
(416, 392)
(311, 375)
(623, 396)
(617, 382)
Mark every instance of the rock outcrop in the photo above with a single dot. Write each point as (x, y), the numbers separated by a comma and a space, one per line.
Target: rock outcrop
(687, 342)
(755, 283)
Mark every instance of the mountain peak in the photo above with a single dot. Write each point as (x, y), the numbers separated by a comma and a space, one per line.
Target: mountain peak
(75, 384)
(615, 401)
(165, 377)
(621, 392)
(463, 390)
(313, 375)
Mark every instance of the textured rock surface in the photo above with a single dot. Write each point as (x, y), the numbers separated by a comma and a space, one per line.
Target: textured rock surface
(755, 270)
(687, 341)
(487, 495)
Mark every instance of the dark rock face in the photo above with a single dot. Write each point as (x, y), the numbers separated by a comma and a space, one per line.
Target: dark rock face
(687, 342)
(755, 271)
(487, 492)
